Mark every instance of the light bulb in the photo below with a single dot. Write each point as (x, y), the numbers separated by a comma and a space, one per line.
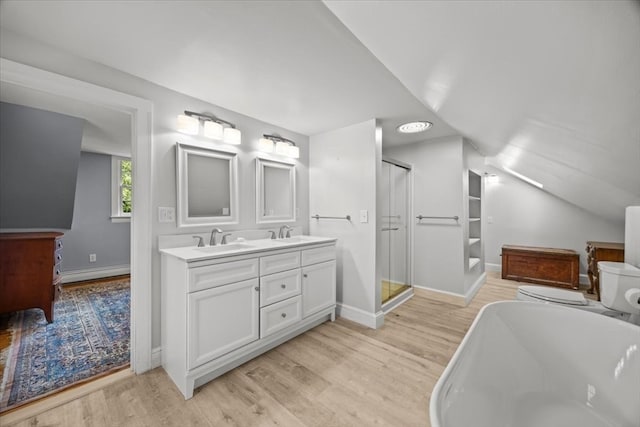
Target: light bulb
(282, 148)
(265, 145)
(187, 124)
(213, 130)
(294, 151)
(232, 136)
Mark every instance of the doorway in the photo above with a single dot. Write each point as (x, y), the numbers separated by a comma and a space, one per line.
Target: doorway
(394, 191)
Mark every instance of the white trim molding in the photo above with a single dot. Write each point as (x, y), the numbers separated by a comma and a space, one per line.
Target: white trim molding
(140, 110)
(94, 273)
(156, 357)
(450, 297)
(370, 320)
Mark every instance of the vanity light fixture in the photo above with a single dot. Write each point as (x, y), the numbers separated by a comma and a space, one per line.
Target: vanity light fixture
(214, 128)
(414, 127)
(279, 145)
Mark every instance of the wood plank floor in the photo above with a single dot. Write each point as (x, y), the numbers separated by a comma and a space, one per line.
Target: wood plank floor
(338, 374)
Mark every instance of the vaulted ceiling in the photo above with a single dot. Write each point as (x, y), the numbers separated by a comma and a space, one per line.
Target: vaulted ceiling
(550, 89)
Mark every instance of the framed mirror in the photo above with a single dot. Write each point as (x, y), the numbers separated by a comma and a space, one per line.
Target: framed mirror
(207, 186)
(275, 191)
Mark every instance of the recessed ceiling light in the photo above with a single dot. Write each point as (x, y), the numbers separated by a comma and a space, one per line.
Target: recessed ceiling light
(414, 127)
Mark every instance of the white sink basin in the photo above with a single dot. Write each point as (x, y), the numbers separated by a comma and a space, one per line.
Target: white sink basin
(224, 248)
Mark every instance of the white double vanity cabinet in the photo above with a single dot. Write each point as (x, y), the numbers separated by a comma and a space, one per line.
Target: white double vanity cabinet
(224, 305)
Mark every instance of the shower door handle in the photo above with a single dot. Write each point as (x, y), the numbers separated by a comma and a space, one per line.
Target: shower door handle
(391, 229)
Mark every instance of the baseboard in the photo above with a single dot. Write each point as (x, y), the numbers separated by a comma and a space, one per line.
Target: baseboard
(156, 357)
(492, 267)
(442, 296)
(473, 290)
(397, 301)
(95, 273)
(583, 278)
(370, 320)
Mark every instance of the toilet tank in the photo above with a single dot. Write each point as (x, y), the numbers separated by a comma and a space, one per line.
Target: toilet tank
(632, 236)
(620, 286)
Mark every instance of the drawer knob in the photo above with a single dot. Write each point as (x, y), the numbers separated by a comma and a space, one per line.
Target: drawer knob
(257, 288)
(59, 257)
(57, 272)
(283, 315)
(283, 286)
(304, 275)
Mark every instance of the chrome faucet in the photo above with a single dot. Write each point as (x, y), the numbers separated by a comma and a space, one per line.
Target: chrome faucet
(224, 239)
(212, 240)
(272, 234)
(281, 234)
(200, 241)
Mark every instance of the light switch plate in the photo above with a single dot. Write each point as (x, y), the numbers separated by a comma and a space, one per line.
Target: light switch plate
(364, 216)
(166, 214)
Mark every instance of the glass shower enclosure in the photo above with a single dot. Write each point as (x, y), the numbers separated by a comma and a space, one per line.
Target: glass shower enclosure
(394, 192)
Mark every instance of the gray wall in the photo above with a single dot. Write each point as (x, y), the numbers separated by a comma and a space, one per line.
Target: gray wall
(167, 105)
(521, 214)
(39, 155)
(92, 231)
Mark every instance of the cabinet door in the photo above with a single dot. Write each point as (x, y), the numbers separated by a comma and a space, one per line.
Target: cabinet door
(318, 287)
(221, 320)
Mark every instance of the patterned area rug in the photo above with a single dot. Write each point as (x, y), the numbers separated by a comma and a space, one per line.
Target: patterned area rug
(89, 337)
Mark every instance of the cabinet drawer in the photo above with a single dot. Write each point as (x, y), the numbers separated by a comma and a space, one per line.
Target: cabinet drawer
(276, 263)
(210, 276)
(317, 255)
(279, 286)
(279, 316)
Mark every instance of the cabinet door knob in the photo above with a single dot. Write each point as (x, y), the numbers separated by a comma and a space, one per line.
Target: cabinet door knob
(283, 286)
(304, 275)
(257, 288)
(283, 315)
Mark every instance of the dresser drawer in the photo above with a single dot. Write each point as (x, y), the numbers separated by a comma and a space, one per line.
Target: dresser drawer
(317, 255)
(276, 263)
(279, 286)
(280, 315)
(210, 276)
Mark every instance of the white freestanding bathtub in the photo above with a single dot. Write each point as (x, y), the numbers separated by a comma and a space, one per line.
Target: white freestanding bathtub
(526, 364)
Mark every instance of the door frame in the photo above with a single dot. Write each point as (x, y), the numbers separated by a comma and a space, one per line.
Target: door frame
(141, 112)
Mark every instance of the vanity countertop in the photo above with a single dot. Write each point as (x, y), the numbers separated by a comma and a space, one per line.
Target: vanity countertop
(194, 253)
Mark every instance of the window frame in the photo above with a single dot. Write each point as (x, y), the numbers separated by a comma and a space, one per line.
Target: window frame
(116, 190)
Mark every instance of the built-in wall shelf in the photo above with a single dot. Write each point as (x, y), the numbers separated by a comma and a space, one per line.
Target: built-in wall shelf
(474, 225)
(473, 262)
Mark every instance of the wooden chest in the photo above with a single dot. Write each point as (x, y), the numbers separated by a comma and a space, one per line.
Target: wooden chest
(544, 266)
(30, 271)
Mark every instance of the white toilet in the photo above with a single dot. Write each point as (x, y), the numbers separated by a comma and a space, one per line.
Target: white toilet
(619, 281)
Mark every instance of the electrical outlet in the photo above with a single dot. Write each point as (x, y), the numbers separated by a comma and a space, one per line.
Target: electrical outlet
(166, 214)
(92, 257)
(364, 216)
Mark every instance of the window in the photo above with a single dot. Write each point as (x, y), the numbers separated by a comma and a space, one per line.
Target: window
(120, 189)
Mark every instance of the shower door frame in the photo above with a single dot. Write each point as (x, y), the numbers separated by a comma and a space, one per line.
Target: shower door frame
(408, 293)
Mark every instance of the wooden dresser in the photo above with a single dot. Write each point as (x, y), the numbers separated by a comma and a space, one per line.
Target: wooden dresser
(30, 271)
(601, 251)
(545, 266)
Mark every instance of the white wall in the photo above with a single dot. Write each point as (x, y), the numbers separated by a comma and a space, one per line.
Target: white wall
(438, 256)
(343, 168)
(524, 215)
(167, 105)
